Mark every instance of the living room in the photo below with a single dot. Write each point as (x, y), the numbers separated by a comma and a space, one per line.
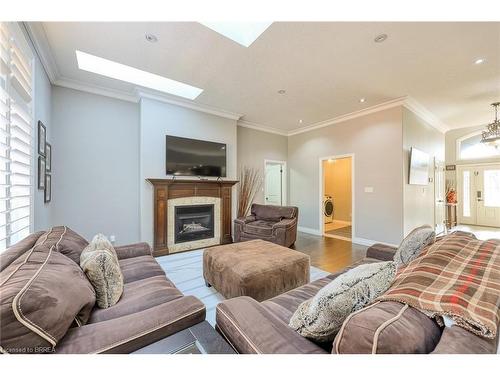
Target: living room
(287, 187)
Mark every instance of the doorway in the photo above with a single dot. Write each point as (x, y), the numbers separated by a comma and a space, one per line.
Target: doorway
(439, 197)
(478, 189)
(275, 182)
(336, 196)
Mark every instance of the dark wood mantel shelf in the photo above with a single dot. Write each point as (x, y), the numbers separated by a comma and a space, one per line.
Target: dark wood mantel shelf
(165, 189)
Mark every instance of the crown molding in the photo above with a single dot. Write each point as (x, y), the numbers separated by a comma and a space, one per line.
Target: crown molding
(95, 89)
(142, 93)
(260, 127)
(426, 115)
(38, 38)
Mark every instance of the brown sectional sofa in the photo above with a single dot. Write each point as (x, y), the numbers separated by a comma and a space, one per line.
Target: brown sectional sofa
(150, 308)
(277, 224)
(385, 327)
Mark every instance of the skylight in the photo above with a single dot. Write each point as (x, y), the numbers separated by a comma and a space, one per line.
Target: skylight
(111, 69)
(244, 33)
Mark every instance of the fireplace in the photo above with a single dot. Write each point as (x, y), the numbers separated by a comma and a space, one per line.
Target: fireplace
(194, 222)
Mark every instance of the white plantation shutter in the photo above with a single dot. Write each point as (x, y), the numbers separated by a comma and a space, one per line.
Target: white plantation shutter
(16, 135)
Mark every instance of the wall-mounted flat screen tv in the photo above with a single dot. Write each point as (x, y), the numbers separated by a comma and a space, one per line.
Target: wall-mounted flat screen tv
(193, 157)
(419, 167)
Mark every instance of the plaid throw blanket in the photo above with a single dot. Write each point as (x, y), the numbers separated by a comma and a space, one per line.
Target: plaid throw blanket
(458, 277)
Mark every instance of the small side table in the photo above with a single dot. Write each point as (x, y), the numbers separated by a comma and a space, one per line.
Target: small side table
(451, 215)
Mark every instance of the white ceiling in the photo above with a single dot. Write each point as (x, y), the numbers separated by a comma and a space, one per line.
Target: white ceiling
(325, 67)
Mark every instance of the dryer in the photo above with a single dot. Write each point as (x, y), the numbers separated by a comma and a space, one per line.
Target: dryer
(328, 208)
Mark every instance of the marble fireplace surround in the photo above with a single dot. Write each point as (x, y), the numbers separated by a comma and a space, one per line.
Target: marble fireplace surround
(192, 201)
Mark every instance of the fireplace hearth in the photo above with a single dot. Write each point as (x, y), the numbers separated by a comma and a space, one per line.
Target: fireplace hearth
(193, 223)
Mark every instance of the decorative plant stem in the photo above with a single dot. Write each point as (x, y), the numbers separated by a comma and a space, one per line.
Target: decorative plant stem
(250, 182)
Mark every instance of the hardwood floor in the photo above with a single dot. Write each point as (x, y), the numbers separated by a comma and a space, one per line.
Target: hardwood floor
(329, 254)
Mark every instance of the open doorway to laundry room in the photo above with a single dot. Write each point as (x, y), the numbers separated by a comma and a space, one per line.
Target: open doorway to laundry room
(336, 196)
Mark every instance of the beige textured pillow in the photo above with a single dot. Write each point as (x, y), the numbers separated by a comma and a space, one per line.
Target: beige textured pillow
(100, 263)
(320, 317)
(413, 244)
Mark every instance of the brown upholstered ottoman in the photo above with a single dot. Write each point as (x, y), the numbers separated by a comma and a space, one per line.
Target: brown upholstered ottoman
(258, 269)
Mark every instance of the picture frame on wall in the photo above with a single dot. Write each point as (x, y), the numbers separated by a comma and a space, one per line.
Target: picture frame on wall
(47, 196)
(42, 138)
(41, 172)
(48, 157)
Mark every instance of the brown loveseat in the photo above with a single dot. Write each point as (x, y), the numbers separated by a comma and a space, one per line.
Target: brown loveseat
(276, 224)
(150, 308)
(262, 327)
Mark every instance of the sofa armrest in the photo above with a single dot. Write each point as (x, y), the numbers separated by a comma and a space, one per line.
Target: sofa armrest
(456, 340)
(250, 328)
(381, 252)
(133, 250)
(285, 223)
(244, 220)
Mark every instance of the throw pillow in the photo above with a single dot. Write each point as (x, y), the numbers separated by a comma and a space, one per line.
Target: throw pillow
(42, 293)
(413, 244)
(100, 263)
(320, 317)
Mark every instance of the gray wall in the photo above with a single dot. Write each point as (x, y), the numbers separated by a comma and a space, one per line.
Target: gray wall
(255, 146)
(376, 141)
(158, 119)
(419, 205)
(96, 164)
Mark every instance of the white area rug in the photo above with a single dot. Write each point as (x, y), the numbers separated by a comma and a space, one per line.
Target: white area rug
(185, 270)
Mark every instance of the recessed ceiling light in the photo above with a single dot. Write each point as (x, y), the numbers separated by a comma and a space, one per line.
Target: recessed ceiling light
(362, 100)
(244, 33)
(300, 121)
(281, 92)
(479, 61)
(111, 69)
(151, 38)
(380, 38)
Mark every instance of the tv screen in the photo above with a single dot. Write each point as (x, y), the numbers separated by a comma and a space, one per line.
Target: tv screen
(419, 167)
(193, 157)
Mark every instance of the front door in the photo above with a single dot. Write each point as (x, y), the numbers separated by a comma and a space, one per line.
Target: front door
(479, 195)
(439, 196)
(273, 186)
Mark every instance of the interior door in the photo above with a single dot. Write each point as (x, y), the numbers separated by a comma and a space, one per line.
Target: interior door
(439, 195)
(273, 184)
(488, 195)
(466, 189)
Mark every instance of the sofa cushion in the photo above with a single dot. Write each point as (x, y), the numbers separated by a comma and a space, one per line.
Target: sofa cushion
(321, 317)
(20, 248)
(275, 213)
(387, 327)
(260, 227)
(100, 263)
(413, 244)
(138, 296)
(139, 268)
(43, 294)
(66, 241)
(133, 331)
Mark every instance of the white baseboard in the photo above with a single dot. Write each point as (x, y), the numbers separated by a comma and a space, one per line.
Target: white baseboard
(309, 231)
(366, 242)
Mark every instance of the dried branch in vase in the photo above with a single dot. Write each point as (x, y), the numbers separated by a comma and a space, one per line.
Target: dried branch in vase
(250, 182)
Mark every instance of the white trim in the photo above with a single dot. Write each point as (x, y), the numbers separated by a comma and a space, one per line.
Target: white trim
(349, 116)
(426, 115)
(366, 242)
(261, 127)
(284, 179)
(141, 93)
(309, 231)
(95, 89)
(37, 35)
(322, 193)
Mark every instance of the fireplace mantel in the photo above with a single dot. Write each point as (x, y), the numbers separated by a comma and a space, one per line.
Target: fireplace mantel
(165, 189)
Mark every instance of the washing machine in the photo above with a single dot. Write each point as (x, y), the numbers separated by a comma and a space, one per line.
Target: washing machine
(328, 208)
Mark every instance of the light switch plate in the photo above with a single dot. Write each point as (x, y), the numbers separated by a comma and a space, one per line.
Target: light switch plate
(368, 189)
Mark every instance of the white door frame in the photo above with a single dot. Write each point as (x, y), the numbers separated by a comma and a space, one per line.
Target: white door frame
(322, 193)
(283, 179)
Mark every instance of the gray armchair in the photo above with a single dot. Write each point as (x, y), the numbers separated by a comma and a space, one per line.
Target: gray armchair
(276, 224)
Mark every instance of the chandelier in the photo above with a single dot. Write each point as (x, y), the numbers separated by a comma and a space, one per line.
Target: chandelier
(491, 135)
